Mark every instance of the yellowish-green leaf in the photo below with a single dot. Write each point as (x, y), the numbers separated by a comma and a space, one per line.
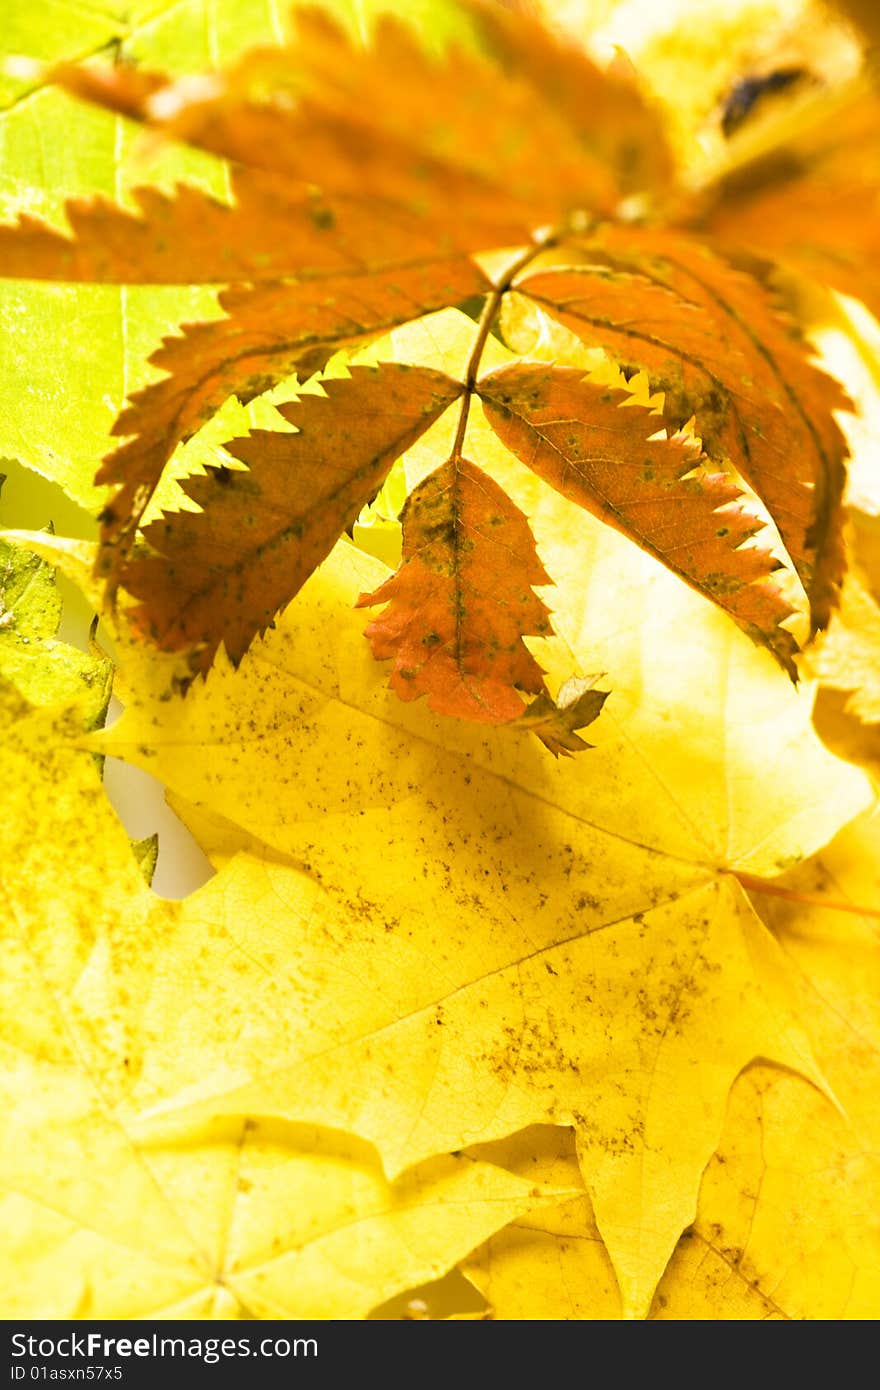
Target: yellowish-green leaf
(83, 343)
(146, 853)
(34, 665)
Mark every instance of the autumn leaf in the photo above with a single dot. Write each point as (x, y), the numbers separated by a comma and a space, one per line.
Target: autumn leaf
(785, 1226)
(248, 352)
(594, 446)
(811, 204)
(239, 1218)
(733, 364)
(518, 1015)
(323, 103)
(35, 666)
(37, 670)
(90, 343)
(215, 349)
(269, 232)
(555, 1267)
(608, 109)
(267, 528)
(30, 606)
(555, 722)
(342, 226)
(462, 601)
(778, 1141)
(848, 658)
(596, 935)
(787, 1179)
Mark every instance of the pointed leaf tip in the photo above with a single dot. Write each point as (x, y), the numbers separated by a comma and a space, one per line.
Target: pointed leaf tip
(463, 600)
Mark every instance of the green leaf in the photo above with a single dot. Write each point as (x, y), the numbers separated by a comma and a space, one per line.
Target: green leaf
(83, 345)
(35, 668)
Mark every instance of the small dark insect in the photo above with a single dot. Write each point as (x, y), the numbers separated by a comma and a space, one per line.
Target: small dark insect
(745, 95)
(117, 54)
(113, 50)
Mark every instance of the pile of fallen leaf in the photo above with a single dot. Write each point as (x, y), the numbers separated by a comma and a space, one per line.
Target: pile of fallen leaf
(578, 1037)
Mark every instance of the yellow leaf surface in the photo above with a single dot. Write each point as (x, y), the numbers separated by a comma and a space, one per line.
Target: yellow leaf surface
(786, 1225)
(848, 659)
(505, 940)
(554, 1267)
(229, 1218)
(790, 1203)
(632, 1030)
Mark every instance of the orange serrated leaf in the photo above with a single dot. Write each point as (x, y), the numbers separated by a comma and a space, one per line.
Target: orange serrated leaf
(813, 203)
(222, 574)
(462, 600)
(721, 352)
(270, 332)
(460, 110)
(270, 231)
(609, 113)
(826, 230)
(122, 88)
(593, 447)
(458, 140)
(229, 114)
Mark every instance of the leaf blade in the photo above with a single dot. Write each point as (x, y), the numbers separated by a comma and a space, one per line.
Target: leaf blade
(269, 231)
(593, 447)
(222, 574)
(457, 139)
(813, 203)
(722, 353)
(462, 600)
(607, 110)
(269, 332)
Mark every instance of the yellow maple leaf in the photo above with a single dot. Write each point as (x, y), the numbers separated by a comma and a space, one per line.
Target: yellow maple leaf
(849, 657)
(556, 1266)
(231, 1218)
(504, 941)
(786, 1225)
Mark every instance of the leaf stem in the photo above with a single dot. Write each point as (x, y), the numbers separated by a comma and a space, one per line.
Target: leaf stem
(777, 890)
(540, 242)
